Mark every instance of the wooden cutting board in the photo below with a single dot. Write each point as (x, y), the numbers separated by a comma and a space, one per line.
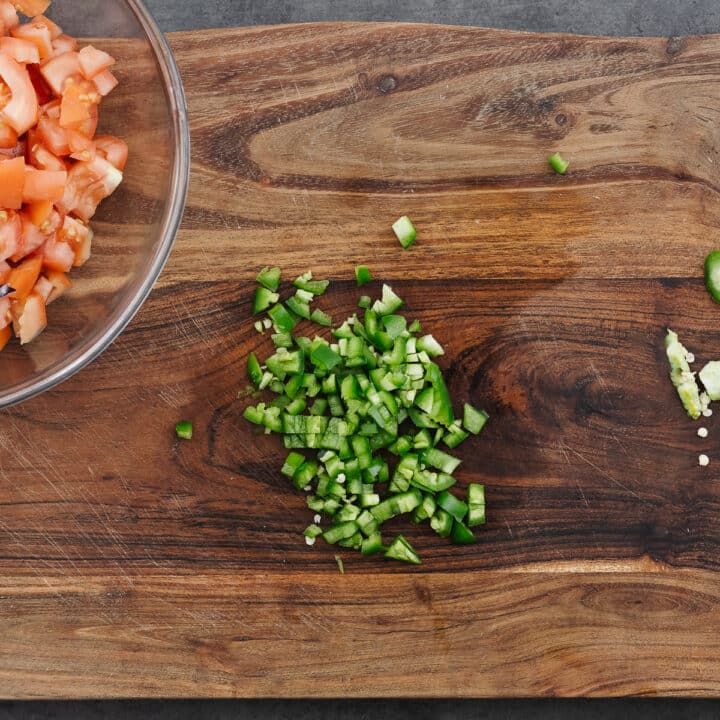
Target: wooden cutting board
(132, 564)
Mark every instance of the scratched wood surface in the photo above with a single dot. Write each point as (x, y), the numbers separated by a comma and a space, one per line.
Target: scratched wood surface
(135, 565)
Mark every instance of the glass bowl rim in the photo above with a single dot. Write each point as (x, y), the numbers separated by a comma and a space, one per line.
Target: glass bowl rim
(178, 188)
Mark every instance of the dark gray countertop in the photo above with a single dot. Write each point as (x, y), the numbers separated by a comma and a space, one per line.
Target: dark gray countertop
(608, 17)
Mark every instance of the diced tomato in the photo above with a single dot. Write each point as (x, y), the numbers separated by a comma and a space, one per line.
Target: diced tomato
(21, 50)
(54, 171)
(43, 185)
(80, 143)
(53, 224)
(40, 157)
(84, 249)
(10, 234)
(31, 8)
(94, 61)
(86, 155)
(53, 136)
(77, 103)
(89, 127)
(29, 318)
(88, 184)
(42, 89)
(39, 35)
(39, 212)
(21, 113)
(8, 137)
(105, 82)
(12, 182)
(24, 276)
(44, 21)
(8, 16)
(5, 335)
(58, 255)
(59, 69)
(51, 109)
(73, 231)
(113, 149)
(63, 44)
(43, 287)
(5, 316)
(31, 238)
(60, 284)
(79, 236)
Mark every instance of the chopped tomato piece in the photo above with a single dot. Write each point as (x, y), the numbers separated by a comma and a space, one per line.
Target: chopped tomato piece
(38, 35)
(5, 333)
(59, 69)
(43, 21)
(8, 137)
(84, 249)
(79, 236)
(39, 212)
(79, 142)
(60, 284)
(58, 255)
(5, 312)
(21, 113)
(21, 50)
(29, 318)
(35, 235)
(40, 157)
(77, 102)
(90, 125)
(24, 276)
(88, 184)
(105, 82)
(63, 44)
(8, 16)
(10, 234)
(5, 315)
(53, 223)
(54, 170)
(53, 136)
(86, 155)
(52, 109)
(31, 238)
(73, 231)
(43, 287)
(113, 149)
(94, 61)
(32, 7)
(42, 89)
(43, 185)
(12, 182)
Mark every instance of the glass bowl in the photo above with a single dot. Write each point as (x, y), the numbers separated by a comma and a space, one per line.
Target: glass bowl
(136, 227)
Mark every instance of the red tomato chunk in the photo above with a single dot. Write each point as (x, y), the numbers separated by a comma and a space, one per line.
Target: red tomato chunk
(54, 170)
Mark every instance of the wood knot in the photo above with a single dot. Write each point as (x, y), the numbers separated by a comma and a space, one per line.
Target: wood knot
(387, 84)
(423, 594)
(598, 128)
(561, 119)
(674, 45)
(546, 105)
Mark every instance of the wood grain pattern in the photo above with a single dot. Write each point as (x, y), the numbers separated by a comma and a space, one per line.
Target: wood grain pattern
(135, 565)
